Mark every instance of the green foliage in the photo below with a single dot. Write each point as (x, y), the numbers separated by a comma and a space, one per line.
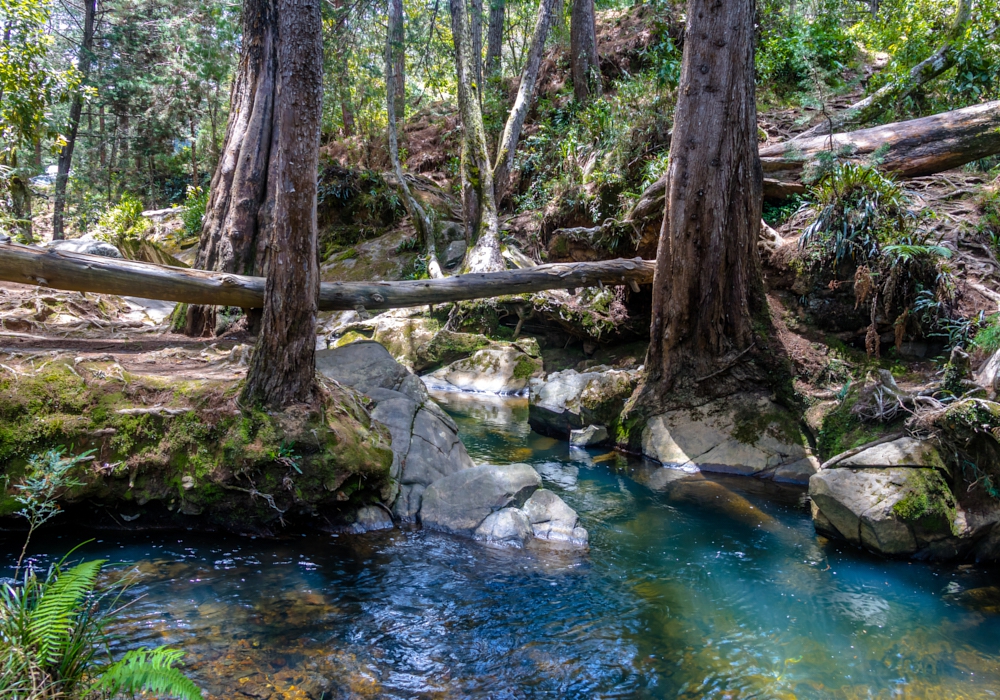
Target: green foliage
(987, 336)
(151, 671)
(194, 213)
(123, 221)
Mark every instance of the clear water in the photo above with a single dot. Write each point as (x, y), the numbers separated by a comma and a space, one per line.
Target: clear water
(699, 588)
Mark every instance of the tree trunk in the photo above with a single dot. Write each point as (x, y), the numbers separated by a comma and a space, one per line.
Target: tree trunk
(194, 155)
(75, 109)
(525, 92)
(421, 221)
(477, 177)
(232, 227)
(20, 200)
(895, 92)
(398, 53)
(584, 61)
(494, 40)
(476, 29)
(283, 367)
(708, 285)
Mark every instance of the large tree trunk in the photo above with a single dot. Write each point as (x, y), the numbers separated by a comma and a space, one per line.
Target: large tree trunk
(283, 368)
(75, 109)
(397, 49)
(893, 93)
(494, 40)
(584, 61)
(708, 285)
(232, 226)
(52, 269)
(525, 92)
(477, 176)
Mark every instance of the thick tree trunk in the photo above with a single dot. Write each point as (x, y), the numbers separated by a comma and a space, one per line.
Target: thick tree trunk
(283, 368)
(708, 284)
(494, 40)
(893, 93)
(398, 54)
(584, 61)
(477, 176)
(232, 228)
(476, 29)
(525, 92)
(421, 221)
(51, 269)
(75, 109)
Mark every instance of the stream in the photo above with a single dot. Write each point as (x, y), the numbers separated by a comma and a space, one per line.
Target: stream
(711, 587)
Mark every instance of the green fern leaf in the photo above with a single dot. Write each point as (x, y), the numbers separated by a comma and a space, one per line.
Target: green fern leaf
(51, 622)
(151, 671)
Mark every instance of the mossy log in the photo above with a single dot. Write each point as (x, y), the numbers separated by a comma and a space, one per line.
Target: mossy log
(92, 273)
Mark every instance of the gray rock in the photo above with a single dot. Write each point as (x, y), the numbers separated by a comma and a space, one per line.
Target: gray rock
(551, 519)
(508, 527)
(86, 247)
(797, 472)
(904, 452)
(502, 369)
(570, 400)
(364, 366)
(370, 519)
(460, 502)
(591, 435)
(454, 254)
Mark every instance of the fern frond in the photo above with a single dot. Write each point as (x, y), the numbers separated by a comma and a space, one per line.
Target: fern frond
(150, 671)
(52, 619)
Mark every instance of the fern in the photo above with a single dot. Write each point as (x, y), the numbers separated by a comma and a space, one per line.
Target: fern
(148, 670)
(52, 621)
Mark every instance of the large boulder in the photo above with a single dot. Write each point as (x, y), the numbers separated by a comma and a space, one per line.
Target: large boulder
(501, 369)
(903, 452)
(461, 502)
(86, 246)
(571, 400)
(425, 442)
(749, 435)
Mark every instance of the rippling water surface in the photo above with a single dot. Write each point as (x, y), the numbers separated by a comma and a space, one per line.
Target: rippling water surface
(693, 587)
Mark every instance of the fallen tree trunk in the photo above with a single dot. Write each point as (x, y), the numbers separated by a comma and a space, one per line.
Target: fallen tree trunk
(93, 273)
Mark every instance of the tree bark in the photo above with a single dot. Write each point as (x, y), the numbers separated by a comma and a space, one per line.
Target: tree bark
(476, 29)
(283, 368)
(194, 155)
(708, 284)
(75, 109)
(893, 93)
(52, 269)
(477, 176)
(525, 92)
(20, 200)
(494, 39)
(397, 50)
(584, 61)
(233, 225)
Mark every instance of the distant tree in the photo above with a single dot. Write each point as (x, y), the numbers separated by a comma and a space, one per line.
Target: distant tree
(584, 62)
(494, 38)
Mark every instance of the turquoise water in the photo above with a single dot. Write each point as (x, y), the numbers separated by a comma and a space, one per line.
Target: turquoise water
(692, 588)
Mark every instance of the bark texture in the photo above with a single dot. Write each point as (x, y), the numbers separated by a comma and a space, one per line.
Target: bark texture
(584, 61)
(232, 230)
(397, 52)
(75, 110)
(494, 38)
(476, 30)
(708, 283)
(283, 368)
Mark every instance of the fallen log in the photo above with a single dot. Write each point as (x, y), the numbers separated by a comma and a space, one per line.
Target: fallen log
(93, 273)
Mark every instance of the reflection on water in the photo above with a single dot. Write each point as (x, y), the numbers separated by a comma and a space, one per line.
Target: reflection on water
(695, 586)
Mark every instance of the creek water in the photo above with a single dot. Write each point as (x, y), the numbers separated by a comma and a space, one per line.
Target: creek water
(693, 587)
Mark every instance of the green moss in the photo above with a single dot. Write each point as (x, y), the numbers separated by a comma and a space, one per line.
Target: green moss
(927, 501)
(525, 368)
(842, 430)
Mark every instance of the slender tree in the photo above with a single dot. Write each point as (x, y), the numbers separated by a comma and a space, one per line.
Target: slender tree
(83, 63)
(476, 28)
(283, 367)
(708, 285)
(584, 61)
(397, 50)
(494, 38)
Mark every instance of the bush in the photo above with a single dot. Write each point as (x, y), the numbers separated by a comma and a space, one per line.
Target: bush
(123, 221)
(196, 203)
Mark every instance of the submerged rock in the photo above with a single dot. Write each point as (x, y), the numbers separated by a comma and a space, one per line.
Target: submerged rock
(591, 435)
(570, 400)
(502, 369)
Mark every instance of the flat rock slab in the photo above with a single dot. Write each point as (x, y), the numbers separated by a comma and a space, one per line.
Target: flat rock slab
(459, 503)
(904, 452)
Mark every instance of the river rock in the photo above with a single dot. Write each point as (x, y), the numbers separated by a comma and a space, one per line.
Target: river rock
(425, 442)
(551, 519)
(502, 369)
(988, 375)
(508, 527)
(454, 254)
(904, 452)
(895, 511)
(87, 247)
(739, 435)
(591, 435)
(459, 503)
(570, 400)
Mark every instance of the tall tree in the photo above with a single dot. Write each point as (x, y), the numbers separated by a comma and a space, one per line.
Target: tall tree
(234, 233)
(397, 50)
(708, 284)
(76, 108)
(494, 38)
(476, 28)
(283, 367)
(584, 62)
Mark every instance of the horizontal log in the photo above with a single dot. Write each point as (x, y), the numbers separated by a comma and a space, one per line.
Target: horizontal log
(93, 273)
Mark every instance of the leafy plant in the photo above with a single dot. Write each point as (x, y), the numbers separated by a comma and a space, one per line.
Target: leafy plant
(123, 221)
(196, 203)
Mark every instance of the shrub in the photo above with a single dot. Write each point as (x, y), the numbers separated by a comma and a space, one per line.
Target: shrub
(196, 203)
(123, 221)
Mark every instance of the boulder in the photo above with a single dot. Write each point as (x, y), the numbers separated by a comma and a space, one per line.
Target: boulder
(459, 503)
(895, 511)
(749, 435)
(570, 400)
(904, 452)
(591, 435)
(425, 442)
(988, 375)
(551, 519)
(507, 527)
(87, 247)
(501, 369)
(366, 519)
(454, 254)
